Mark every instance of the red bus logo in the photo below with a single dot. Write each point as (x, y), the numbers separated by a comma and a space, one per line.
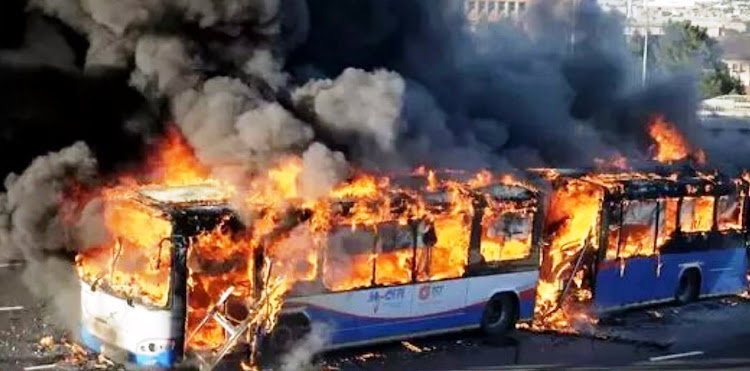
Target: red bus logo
(424, 292)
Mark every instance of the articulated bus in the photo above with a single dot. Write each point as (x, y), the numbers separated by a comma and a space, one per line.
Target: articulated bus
(151, 297)
(145, 297)
(666, 238)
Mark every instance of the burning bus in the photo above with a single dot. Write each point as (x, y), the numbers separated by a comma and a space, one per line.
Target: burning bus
(136, 288)
(183, 277)
(630, 238)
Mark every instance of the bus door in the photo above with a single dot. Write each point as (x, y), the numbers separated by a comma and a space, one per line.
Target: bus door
(626, 273)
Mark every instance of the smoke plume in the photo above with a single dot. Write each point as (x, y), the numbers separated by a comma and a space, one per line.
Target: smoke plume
(33, 226)
(301, 357)
(379, 84)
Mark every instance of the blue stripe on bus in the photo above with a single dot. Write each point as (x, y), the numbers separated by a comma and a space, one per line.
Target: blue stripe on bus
(351, 328)
(89, 340)
(162, 360)
(165, 359)
(723, 271)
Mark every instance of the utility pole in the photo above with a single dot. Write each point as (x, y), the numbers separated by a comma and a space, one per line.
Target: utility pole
(575, 23)
(645, 43)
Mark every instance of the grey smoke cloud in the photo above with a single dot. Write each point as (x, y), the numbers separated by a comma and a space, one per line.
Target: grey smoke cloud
(322, 169)
(30, 214)
(357, 103)
(498, 88)
(301, 356)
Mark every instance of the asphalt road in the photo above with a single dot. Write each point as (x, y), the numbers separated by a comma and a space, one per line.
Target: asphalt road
(708, 334)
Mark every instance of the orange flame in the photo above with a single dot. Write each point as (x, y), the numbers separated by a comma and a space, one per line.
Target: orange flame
(366, 216)
(670, 145)
(571, 222)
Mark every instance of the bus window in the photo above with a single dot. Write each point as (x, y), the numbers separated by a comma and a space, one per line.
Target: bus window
(140, 272)
(697, 214)
(613, 230)
(506, 236)
(450, 253)
(729, 212)
(349, 259)
(638, 228)
(135, 263)
(667, 220)
(395, 254)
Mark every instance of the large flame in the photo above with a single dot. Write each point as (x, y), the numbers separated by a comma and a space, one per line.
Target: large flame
(669, 144)
(571, 223)
(295, 236)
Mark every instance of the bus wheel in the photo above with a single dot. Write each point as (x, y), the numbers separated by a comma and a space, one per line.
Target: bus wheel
(500, 314)
(287, 331)
(689, 287)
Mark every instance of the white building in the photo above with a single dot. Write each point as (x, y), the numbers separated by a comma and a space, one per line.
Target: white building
(736, 50)
(493, 10)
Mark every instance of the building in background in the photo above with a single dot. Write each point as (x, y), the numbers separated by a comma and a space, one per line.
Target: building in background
(736, 56)
(493, 10)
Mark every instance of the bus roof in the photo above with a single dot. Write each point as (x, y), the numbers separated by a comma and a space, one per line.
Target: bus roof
(636, 184)
(185, 195)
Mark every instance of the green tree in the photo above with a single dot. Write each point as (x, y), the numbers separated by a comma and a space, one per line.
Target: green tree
(684, 45)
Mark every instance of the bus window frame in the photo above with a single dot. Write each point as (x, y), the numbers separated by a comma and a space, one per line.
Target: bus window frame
(102, 284)
(530, 262)
(606, 229)
(398, 228)
(325, 260)
(655, 225)
(526, 214)
(713, 227)
(741, 199)
(534, 208)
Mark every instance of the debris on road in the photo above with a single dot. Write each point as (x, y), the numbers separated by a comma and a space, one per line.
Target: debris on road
(655, 314)
(41, 367)
(11, 309)
(411, 347)
(675, 356)
(47, 342)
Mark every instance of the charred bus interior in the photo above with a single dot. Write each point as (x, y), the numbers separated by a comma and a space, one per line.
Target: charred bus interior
(655, 237)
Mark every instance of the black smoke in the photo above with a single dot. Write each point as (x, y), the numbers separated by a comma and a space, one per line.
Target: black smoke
(46, 107)
(537, 93)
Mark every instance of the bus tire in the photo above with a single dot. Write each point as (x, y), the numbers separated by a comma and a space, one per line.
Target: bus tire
(500, 314)
(689, 287)
(286, 333)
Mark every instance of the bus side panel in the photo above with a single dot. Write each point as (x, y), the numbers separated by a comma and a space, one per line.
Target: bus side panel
(133, 334)
(723, 271)
(369, 315)
(523, 284)
(623, 283)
